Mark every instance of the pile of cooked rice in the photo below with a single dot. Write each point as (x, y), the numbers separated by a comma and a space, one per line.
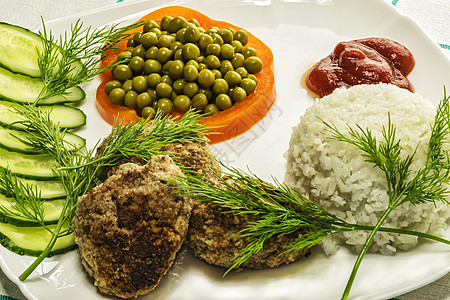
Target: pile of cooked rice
(335, 175)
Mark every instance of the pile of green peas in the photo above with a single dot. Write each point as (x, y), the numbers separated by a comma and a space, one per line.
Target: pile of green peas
(178, 65)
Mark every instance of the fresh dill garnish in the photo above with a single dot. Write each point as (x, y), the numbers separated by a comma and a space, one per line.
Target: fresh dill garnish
(280, 210)
(79, 170)
(74, 57)
(427, 184)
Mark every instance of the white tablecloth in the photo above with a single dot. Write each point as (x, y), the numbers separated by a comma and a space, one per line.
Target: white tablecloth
(432, 15)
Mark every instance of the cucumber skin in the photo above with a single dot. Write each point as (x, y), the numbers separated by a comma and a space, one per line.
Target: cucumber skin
(11, 246)
(79, 64)
(28, 32)
(10, 82)
(7, 104)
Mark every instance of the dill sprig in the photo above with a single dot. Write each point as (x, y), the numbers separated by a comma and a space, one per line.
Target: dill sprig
(74, 57)
(79, 170)
(428, 184)
(280, 211)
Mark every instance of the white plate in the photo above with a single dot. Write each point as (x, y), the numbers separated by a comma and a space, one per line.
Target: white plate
(299, 34)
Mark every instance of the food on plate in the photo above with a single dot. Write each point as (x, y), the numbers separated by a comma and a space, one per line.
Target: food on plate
(175, 64)
(214, 237)
(362, 61)
(130, 227)
(337, 177)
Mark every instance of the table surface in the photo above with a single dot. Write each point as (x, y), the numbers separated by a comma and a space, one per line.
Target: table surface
(432, 15)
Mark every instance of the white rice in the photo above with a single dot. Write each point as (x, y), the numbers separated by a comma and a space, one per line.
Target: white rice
(334, 174)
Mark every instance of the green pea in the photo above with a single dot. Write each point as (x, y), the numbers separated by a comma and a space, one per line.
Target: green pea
(223, 101)
(178, 55)
(117, 96)
(190, 73)
(165, 105)
(180, 35)
(130, 99)
(165, 41)
(149, 39)
(253, 64)
(237, 60)
(165, 22)
(237, 45)
(167, 79)
(163, 90)
(156, 31)
(226, 51)
(253, 77)
(143, 99)
(136, 64)
(122, 72)
(176, 69)
(200, 59)
(238, 94)
(124, 56)
(241, 36)
(206, 78)
(152, 66)
(242, 71)
(165, 67)
(226, 34)
(176, 24)
(248, 52)
(153, 79)
(190, 51)
(151, 52)
(248, 85)
(181, 103)
(211, 109)
(220, 86)
(139, 51)
(148, 112)
(163, 54)
(153, 94)
(195, 22)
(207, 91)
(204, 40)
(112, 85)
(217, 39)
(190, 89)
(127, 85)
(175, 46)
(225, 66)
(202, 66)
(178, 85)
(233, 78)
(131, 43)
(192, 62)
(212, 29)
(192, 34)
(199, 101)
(137, 38)
(149, 25)
(140, 84)
(212, 61)
(217, 73)
(213, 49)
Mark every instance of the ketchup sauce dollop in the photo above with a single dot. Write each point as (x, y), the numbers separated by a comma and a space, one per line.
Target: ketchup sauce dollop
(362, 61)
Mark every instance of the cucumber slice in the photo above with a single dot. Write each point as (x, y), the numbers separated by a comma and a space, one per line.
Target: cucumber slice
(52, 210)
(37, 166)
(65, 116)
(12, 140)
(32, 241)
(19, 49)
(48, 189)
(24, 89)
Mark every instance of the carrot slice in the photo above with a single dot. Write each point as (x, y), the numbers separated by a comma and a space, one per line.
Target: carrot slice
(235, 120)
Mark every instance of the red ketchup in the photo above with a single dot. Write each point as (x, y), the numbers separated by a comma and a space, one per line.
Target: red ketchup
(362, 61)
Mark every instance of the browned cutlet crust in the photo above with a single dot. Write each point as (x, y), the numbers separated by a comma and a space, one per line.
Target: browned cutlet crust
(130, 227)
(212, 237)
